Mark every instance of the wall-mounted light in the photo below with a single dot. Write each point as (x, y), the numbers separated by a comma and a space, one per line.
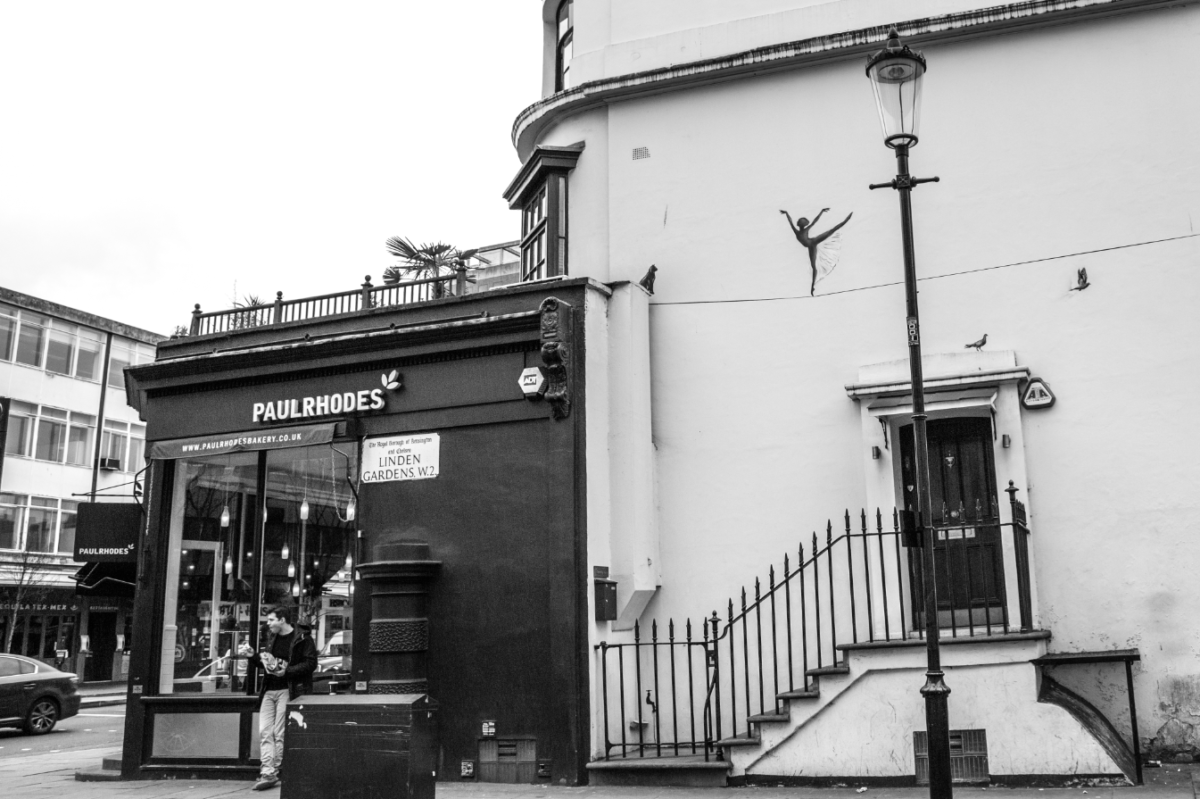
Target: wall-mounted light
(875, 453)
(1005, 441)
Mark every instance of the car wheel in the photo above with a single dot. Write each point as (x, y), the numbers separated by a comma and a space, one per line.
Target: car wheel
(42, 717)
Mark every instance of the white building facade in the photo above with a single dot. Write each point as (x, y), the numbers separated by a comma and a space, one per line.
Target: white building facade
(744, 410)
(71, 435)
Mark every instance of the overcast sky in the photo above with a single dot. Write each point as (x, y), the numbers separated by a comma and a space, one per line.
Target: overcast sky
(154, 155)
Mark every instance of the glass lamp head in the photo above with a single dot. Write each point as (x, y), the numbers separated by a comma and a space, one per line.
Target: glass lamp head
(895, 73)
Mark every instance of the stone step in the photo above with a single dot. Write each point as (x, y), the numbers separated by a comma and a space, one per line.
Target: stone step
(745, 739)
(829, 671)
(690, 771)
(811, 693)
(781, 715)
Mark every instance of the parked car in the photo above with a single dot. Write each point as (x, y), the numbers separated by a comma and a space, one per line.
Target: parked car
(35, 696)
(333, 665)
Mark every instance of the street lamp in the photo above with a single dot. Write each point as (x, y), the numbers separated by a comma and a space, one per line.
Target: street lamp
(895, 74)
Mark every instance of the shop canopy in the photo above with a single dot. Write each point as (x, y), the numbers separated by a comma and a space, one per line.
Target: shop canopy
(272, 438)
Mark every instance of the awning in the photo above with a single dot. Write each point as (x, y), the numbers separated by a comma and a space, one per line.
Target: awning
(272, 438)
(935, 401)
(106, 579)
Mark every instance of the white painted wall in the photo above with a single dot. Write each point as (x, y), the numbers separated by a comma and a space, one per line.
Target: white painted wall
(1052, 158)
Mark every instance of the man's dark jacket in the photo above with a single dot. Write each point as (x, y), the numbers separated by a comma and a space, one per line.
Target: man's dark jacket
(301, 664)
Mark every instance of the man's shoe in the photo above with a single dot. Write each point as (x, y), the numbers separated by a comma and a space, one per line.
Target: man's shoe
(266, 782)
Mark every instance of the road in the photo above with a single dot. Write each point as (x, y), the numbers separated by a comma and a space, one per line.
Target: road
(92, 728)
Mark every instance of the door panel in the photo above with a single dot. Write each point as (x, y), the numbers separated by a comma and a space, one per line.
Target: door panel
(965, 514)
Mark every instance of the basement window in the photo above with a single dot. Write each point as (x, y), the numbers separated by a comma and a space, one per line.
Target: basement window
(968, 756)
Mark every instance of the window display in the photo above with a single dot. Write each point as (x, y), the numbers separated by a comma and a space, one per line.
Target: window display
(299, 539)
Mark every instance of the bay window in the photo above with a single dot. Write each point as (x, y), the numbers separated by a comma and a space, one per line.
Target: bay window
(540, 192)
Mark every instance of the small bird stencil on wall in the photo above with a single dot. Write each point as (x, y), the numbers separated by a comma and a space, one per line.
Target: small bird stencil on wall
(824, 249)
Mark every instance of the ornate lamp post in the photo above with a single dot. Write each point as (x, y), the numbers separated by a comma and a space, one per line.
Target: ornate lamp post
(895, 74)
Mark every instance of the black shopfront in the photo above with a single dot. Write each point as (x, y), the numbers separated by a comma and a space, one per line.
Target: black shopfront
(287, 459)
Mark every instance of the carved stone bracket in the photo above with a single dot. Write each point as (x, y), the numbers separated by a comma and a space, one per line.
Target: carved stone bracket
(556, 327)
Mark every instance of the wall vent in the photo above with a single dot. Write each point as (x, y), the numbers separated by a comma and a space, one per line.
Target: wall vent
(968, 756)
(640, 152)
(508, 760)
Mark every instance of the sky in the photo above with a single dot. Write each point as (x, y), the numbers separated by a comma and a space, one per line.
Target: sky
(155, 155)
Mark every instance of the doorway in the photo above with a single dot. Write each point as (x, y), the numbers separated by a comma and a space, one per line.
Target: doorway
(966, 518)
(102, 634)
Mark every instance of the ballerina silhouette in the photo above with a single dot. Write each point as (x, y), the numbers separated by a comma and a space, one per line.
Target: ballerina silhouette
(823, 250)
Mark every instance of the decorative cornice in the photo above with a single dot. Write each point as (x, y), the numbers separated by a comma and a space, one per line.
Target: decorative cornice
(1007, 18)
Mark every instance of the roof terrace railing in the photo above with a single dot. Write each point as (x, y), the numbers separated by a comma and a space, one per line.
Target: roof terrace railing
(365, 298)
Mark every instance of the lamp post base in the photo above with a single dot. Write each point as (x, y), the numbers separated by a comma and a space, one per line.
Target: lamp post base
(937, 723)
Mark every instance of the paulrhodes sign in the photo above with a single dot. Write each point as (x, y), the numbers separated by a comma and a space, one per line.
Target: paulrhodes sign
(326, 404)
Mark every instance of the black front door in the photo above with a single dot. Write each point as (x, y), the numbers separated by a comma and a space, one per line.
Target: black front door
(102, 630)
(966, 517)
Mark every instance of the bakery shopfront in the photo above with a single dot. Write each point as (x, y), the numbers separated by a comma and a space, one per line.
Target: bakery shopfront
(288, 460)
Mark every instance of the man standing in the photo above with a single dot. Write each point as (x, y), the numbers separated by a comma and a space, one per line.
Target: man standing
(289, 658)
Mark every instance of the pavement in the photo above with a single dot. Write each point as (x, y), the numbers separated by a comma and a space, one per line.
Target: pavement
(53, 775)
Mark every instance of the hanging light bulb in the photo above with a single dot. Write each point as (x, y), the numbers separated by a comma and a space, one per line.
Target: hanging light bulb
(349, 562)
(295, 589)
(291, 569)
(225, 516)
(304, 511)
(285, 552)
(229, 564)
(351, 509)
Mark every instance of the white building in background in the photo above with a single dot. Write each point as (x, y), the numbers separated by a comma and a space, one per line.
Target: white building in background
(70, 432)
(751, 413)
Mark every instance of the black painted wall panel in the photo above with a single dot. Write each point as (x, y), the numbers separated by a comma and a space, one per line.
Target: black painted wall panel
(502, 610)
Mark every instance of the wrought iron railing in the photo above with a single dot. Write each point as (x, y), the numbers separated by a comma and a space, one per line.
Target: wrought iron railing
(683, 688)
(364, 298)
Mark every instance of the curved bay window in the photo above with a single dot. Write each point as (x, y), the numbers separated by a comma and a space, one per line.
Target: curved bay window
(565, 31)
(248, 531)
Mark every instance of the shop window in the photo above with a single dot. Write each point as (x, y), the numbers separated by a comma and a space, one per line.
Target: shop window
(296, 544)
(565, 30)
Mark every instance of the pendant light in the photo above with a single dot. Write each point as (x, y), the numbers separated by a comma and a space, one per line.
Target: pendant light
(225, 515)
(351, 509)
(349, 564)
(286, 552)
(291, 568)
(295, 589)
(304, 510)
(229, 563)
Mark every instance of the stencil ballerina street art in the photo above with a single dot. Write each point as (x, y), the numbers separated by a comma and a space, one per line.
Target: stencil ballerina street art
(823, 249)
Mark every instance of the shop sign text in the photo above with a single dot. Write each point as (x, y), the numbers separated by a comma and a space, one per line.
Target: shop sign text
(327, 404)
(392, 458)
